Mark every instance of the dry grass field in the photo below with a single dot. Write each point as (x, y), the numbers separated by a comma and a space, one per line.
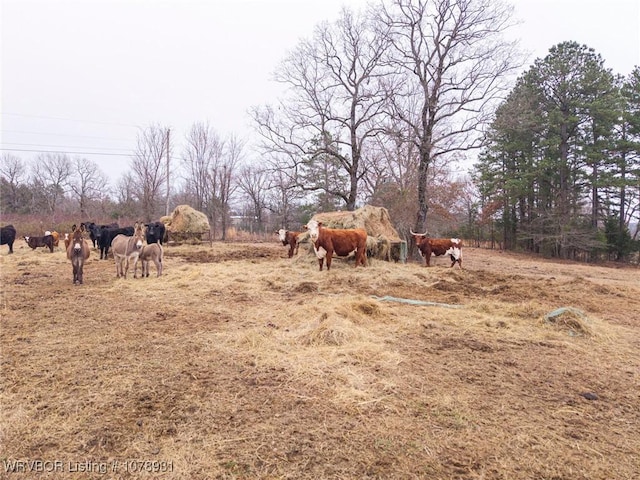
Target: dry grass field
(239, 363)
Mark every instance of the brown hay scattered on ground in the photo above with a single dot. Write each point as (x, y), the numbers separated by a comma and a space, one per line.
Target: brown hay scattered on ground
(328, 330)
(235, 364)
(571, 320)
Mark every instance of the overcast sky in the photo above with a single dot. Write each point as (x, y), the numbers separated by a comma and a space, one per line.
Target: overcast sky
(85, 76)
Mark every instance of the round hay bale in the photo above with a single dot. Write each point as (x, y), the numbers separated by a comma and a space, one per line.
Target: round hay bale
(186, 223)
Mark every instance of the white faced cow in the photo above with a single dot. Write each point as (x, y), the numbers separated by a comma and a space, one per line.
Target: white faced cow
(327, 241)
(438, 246)
(289, 238)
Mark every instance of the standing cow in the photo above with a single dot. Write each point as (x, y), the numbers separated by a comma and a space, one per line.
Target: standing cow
(327, 241)
(107, 235)
(155, 232)
(8, 236)
(96, 230)
(438, 246)
(289, 238)
(36, 242)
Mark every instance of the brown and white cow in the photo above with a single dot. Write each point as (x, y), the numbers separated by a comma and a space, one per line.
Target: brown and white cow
(327, 241)
(289, 238)
(438, 246)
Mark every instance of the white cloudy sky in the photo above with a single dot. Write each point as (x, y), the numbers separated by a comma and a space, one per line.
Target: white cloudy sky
(84, 76)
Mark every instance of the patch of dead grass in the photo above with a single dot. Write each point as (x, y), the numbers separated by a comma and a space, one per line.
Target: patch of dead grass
(241, 363)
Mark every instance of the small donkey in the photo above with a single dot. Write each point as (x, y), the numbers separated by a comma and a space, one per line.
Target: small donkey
(151, 253)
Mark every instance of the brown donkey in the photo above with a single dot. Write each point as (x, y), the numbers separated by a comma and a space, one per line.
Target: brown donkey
(77, 252)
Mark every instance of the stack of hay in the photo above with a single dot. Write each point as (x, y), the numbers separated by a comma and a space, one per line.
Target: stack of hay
(186, 224)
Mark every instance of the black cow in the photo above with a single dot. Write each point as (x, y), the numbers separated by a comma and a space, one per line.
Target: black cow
(107, 235)
(155, 232)
(8, 236)
(35, 242)
(94, 230)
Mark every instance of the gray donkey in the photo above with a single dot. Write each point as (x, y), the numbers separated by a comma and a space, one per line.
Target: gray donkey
(151, 253)
(127, 248)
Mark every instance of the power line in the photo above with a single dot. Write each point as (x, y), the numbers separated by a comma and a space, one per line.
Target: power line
(61, 146)
(65, 135)
(68, 153)
(70, 119)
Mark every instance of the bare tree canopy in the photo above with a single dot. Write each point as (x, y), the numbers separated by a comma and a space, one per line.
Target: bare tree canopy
(334, 106)
(210, 163)
(254, 183)
(13, 172)
(233, 157)
(148, 169)
(201, 156)
(453, 65)
(87, 183)
(51, 173)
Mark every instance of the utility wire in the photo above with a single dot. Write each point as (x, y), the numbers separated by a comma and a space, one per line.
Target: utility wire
(70, 119)
(60, 146)
(68, 153)
(64, 135)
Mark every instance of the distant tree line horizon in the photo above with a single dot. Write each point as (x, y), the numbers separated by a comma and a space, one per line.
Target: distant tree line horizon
(379, 107)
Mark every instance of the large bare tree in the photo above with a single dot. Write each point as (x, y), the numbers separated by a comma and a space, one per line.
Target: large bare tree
(233, 156)
(126, 196)
(87, 183)
(13, 171)
(210, 163)
(453, 65)
(334, 105)
(254, 182)
(149, 169)
(283, 193)
(201, 155)
(51, 173)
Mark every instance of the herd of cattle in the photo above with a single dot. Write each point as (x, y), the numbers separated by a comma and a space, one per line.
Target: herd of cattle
(341, 242)
(127, 244)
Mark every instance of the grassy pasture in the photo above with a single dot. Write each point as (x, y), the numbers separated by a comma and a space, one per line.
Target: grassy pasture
(241, 363)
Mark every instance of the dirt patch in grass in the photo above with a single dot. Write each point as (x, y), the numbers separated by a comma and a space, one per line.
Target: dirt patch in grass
(241, 363)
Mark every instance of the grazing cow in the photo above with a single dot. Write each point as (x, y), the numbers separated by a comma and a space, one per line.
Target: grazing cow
(151, 253)
(289, 238)
(35, 242)
(438, 246)
(327, 241)
(55, 235)
(155, 232)
(107, 234)
(127, 248)
(67, 241)
(8, 236)
(78, 252)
